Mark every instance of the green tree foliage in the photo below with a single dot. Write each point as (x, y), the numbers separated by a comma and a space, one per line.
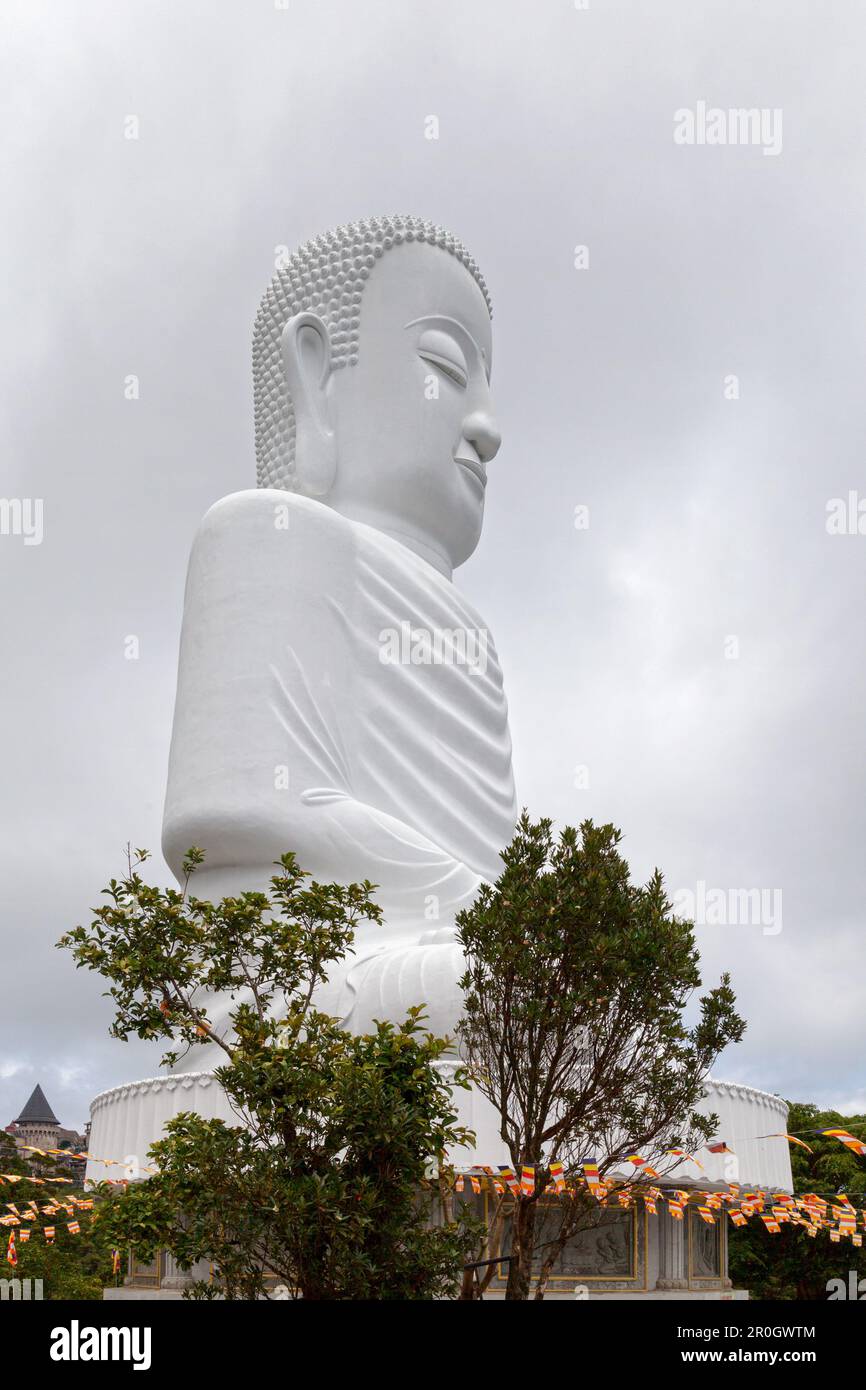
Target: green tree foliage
(793, 1264)
(321, 1183)
(576, 986)
(74, 1266)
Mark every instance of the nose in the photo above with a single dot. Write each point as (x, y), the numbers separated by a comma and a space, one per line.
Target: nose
(481, 431)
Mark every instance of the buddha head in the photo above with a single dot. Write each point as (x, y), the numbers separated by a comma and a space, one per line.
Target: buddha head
(371, 363)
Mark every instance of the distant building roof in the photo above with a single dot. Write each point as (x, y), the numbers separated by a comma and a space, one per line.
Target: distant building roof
(37, 1110)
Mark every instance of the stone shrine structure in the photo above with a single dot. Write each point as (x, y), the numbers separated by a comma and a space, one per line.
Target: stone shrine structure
(37, 1124)
(38, 1127)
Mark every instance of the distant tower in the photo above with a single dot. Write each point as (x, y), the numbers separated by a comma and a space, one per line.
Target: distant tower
(37, 1124)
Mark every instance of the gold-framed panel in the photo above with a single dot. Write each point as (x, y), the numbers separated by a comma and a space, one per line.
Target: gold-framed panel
(705, 1281)
(501, 1277)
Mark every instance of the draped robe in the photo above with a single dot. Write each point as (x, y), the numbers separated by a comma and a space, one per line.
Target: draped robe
(295, 728)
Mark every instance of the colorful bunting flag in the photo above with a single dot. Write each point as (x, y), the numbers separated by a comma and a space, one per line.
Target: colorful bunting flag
(855, 1145)
(793, 1139)
(681, 1153)
(590, 1172)
(510, 1181)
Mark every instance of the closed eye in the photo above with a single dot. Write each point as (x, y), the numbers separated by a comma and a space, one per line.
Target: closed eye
(451, 369)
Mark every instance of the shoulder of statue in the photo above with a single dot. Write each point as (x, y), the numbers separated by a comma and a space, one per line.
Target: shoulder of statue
(269, 508)
(269, 555)
(259, 523)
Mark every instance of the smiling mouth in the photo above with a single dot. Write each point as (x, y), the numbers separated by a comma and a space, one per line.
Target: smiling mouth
(475, 467)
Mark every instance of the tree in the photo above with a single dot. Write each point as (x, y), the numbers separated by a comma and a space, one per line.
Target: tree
(793, 1264)
(321, 1184)
(575, 989)
(72, 1267)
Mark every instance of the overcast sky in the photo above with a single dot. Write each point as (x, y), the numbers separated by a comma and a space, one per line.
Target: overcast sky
(260, 127)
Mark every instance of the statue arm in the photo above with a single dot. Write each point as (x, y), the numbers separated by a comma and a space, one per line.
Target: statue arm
(333, 835)
(417, 876)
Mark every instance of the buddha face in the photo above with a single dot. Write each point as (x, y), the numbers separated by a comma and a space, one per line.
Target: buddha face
(411, 424)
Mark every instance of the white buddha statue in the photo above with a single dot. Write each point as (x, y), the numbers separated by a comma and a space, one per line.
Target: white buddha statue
(337, 696)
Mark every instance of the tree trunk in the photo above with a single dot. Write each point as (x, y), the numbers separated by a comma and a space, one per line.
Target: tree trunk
(566, 1231)
(522, 1242)
(550, 1259)
(544, 1276)
(492, 1248)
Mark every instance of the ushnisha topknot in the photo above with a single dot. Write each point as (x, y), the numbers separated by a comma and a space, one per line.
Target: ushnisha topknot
(324, 276)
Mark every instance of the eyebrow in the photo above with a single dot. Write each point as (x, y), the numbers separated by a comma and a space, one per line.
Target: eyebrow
(452, 325)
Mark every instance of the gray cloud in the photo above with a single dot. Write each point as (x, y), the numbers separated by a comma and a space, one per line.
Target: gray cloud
(707, 516)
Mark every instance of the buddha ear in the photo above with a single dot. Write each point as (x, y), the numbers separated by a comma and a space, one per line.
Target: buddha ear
(305, 346)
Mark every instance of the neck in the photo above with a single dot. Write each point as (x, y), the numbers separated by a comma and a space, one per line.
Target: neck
(423, 547)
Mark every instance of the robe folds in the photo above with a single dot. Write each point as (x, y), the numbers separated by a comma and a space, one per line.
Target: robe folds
(337, 697)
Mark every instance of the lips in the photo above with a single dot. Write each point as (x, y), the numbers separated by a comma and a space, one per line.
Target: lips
(473, 466)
